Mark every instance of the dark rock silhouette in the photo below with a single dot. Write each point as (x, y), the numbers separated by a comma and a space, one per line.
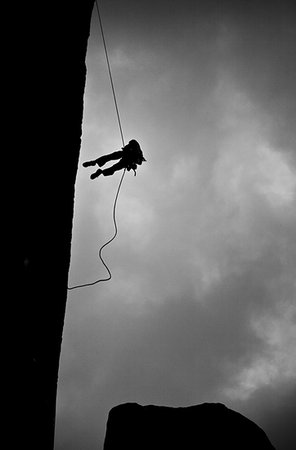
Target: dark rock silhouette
(200, 427)
(50, 46)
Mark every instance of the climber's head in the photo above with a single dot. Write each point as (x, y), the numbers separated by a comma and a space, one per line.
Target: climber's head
(133, 150)
(135, 144)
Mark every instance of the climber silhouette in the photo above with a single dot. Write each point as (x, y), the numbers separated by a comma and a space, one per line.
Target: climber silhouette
(130, 157)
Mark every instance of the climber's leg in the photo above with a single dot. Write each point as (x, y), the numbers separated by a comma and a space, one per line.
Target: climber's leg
(105, 158)
(112, 169)
(96, 174)
(89, 163)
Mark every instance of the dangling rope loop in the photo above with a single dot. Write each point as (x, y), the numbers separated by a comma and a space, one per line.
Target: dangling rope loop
(106, 243)
(122, 177)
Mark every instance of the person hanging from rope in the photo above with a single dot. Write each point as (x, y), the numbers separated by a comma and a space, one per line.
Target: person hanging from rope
(130, 157)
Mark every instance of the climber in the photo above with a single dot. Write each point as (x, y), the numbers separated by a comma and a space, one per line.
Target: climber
(130, 156)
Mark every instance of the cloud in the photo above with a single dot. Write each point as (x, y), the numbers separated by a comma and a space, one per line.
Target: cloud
(258, 51)
(276, 362)
(201, 215)
(201, 306)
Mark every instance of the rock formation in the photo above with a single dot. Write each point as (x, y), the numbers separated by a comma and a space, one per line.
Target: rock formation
(50, 71)
(206, 426)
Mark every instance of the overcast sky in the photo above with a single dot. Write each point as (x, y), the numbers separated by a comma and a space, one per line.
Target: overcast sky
(202, 302)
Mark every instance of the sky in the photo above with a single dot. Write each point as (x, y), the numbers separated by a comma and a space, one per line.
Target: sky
(201, 306)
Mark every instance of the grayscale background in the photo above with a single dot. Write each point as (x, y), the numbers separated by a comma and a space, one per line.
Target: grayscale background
(202, 302)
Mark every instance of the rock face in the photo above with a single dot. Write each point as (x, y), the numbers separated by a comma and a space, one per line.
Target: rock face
(50, 52)
(206, 426)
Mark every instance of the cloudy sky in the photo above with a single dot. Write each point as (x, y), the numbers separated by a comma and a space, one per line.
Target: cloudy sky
(202, 302)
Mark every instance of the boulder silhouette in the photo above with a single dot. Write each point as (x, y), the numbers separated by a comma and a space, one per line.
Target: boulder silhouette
(200, 427)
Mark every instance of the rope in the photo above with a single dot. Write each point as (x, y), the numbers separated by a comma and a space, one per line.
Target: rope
(106, 243)
(110, 73)
(122, 177)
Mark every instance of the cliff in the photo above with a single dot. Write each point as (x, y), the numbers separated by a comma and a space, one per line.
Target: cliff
(50, 53)
(206, 426)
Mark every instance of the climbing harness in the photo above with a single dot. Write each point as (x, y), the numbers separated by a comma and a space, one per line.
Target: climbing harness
(122, 177)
